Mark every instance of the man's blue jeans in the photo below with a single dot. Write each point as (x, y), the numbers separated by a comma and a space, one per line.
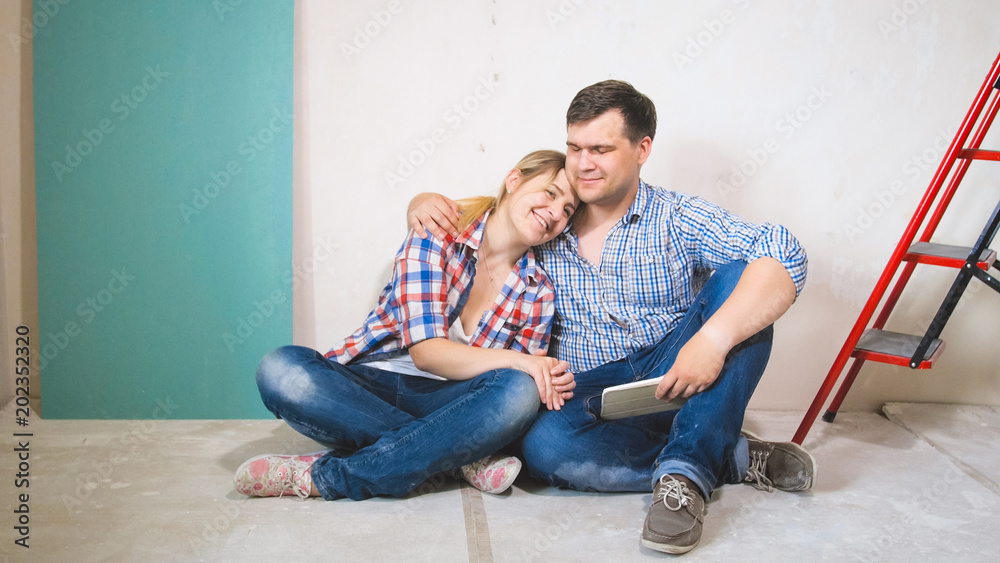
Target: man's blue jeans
(574, 448)
(390, 432)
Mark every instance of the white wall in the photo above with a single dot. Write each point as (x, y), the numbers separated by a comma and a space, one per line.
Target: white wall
(876, 85)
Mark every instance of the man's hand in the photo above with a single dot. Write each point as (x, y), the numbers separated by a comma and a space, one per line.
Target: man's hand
(434, 213)
(763, 294)
(563, 381)
(696, 368)
(549, 374)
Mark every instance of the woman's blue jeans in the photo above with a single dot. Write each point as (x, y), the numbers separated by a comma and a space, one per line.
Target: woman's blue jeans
(390, 432)
(574, 448)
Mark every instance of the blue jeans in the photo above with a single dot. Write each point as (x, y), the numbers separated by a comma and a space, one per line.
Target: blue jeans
(390, 432)
(574, 448)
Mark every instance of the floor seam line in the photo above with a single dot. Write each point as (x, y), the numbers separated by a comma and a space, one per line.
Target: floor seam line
(970, 471)
(477, 530)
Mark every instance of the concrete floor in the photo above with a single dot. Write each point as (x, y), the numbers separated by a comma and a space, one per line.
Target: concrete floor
(918, 484)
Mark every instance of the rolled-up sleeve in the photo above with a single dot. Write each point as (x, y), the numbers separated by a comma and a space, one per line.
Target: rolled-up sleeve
(419, 293)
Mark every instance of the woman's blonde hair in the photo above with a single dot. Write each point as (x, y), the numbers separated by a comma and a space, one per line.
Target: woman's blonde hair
(531, 166)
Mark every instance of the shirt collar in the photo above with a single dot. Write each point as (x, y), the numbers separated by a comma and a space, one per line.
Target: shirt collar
(472, 236)
(638, 206)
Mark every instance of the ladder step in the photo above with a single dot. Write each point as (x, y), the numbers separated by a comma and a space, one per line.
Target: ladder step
(895, 348)
(978, 154)
(946, 255)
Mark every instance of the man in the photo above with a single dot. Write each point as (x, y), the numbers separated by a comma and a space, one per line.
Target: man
(629, 307)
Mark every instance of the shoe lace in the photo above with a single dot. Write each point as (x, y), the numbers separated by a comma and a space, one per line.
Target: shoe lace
(671, 488)
(293, 481)
(756, 475)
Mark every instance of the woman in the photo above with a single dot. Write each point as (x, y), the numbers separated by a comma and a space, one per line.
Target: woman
(447, 369)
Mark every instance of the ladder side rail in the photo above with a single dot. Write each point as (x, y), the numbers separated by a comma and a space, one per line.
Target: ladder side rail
(956, 179)
(986, 278)
(838, 398)
(963, 167)
(943, 314)
(897, 291)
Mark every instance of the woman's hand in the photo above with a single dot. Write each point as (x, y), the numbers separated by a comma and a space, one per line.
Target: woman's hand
(434, 213)
(550, 376)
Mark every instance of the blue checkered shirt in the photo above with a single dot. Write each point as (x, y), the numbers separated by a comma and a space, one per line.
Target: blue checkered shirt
(655, 260)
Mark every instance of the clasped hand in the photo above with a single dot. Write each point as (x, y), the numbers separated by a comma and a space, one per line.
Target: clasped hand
(555, 383)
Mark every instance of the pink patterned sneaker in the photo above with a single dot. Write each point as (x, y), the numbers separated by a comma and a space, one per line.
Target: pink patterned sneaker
(311, 458)
(276, 475)
(493, 474)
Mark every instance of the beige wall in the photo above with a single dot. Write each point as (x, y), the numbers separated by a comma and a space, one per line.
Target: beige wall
(19, 286)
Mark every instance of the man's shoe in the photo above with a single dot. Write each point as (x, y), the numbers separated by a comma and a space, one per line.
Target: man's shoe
(276, 475)
(785, 466)
(493, 474)
(675, 517)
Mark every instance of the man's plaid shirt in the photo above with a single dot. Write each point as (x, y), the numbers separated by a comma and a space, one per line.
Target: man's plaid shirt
(653, 264)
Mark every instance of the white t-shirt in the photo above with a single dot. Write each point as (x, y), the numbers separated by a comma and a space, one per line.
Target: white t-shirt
(403, 363)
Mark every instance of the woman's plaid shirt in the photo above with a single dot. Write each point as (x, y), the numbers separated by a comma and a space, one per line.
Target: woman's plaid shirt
(430, 285)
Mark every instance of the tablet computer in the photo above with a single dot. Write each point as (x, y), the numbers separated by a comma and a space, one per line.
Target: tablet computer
(636, 398)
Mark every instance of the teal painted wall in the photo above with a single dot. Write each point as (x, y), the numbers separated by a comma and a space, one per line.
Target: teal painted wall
(163, 147)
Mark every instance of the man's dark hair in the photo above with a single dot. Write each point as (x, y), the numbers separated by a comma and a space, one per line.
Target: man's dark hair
(636, 109)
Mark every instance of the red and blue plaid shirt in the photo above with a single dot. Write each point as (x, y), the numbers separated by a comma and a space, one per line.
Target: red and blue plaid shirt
(430, 285)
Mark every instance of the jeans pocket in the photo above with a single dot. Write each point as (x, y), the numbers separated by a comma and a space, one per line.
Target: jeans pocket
(592, 408)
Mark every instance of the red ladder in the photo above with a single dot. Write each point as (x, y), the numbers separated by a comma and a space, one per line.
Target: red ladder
(916, 351)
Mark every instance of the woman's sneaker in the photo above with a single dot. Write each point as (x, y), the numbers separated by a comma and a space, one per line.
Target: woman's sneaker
(276, 475)
(493, 474)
